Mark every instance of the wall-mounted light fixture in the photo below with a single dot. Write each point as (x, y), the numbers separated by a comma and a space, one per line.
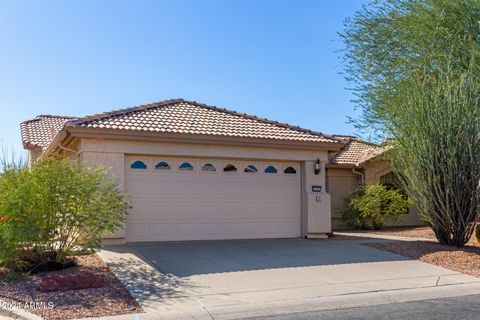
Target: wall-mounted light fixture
(318, 166)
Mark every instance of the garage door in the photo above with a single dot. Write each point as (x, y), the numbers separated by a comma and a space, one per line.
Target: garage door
(202, 199)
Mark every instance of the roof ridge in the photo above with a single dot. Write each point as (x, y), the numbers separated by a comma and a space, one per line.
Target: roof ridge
(167, 102)
(41, 116)
(345, 145)
(264, 120)
(366, 148)
(117, 112)
(54, 116)
(372, 144)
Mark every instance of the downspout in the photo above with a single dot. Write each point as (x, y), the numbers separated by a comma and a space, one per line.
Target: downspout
(362, 177)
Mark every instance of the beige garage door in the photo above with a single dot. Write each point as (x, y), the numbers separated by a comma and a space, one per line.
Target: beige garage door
(200, 199)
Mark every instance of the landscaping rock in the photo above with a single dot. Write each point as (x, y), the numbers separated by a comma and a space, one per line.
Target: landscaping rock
(54, 283)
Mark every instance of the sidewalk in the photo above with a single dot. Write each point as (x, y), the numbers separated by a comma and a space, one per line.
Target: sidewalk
(344, 273)
(313, 304)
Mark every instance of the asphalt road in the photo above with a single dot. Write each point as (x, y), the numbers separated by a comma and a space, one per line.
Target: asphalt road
(458, 308)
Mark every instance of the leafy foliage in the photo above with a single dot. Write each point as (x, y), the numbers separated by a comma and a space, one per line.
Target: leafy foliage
(371, 205)
(390, 43)
(54, 209)
(414, 67)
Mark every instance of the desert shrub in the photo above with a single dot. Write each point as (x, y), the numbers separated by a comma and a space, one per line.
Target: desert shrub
(369, 206)
(477, 232)
(54, 209)
(414, 67)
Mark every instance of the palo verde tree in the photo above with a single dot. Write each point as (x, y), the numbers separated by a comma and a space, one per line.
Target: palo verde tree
(414, 66)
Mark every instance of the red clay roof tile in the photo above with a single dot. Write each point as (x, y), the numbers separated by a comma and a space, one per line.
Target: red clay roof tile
(40, 131)
(190, 117)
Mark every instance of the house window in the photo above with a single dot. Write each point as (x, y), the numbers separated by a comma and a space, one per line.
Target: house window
(138, 165)
(186, 166)
(162, 165)
(209, 167)
(390, 181)
(270, 169)
(230, 168)
(250, 168)
(289, 170)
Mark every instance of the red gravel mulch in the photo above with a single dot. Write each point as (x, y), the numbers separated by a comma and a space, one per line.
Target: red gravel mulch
(408, 232)
(112, 298)
(465, 260)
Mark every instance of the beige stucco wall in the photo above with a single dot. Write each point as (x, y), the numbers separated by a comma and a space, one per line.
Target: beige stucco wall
(315, 207)
(114, 162)
(33, 155)
(341, 183)
(373, 171)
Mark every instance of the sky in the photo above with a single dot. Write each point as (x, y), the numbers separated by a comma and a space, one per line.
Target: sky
(276, 59)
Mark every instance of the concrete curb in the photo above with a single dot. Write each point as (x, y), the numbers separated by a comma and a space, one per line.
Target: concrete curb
(342, 301)
(17, 313)
(307, 305)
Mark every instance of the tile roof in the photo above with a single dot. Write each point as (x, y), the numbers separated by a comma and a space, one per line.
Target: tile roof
(189, 117)
(356, 152)
(40, 131)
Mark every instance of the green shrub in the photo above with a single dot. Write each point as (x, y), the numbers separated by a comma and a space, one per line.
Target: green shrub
(54, 209)
(369, 206)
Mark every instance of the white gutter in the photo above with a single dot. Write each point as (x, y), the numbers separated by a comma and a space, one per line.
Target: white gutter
(57, 141)
(362, 177)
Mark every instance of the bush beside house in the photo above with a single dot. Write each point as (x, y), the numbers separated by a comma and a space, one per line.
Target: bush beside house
(371, 205)
(53, 210)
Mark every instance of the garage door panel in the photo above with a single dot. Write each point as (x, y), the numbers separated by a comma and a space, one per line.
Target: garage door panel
(199, 205)
(212, 209)
(198, 187)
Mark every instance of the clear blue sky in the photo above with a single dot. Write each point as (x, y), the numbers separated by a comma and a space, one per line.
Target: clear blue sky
(275, 59)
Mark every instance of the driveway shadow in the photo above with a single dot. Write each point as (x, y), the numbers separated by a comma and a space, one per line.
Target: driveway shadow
(143, 280)
(184, 259)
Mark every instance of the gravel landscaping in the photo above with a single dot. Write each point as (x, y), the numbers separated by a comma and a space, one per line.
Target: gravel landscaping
(465, 260)
(111, 299)
(408, 232)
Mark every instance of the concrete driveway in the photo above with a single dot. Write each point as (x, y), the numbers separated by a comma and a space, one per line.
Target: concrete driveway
(240, 275)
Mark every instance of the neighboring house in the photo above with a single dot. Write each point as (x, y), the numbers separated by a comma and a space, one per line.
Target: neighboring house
(197, 172)
(360, 163)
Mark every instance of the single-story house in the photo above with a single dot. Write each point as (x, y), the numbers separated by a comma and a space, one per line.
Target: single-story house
(198, 172)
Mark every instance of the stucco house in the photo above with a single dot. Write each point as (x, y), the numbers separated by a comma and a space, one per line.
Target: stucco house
(359, 162)
(197, 172)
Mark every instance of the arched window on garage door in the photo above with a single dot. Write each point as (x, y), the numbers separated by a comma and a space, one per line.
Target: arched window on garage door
(290, 170)
(270, 169)
(230, 168)
(208, 167)
(250, 169)
(162, 165)
(185, 167)
(138, 165)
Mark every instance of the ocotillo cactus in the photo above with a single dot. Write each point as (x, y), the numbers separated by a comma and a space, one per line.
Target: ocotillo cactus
(477, 232)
